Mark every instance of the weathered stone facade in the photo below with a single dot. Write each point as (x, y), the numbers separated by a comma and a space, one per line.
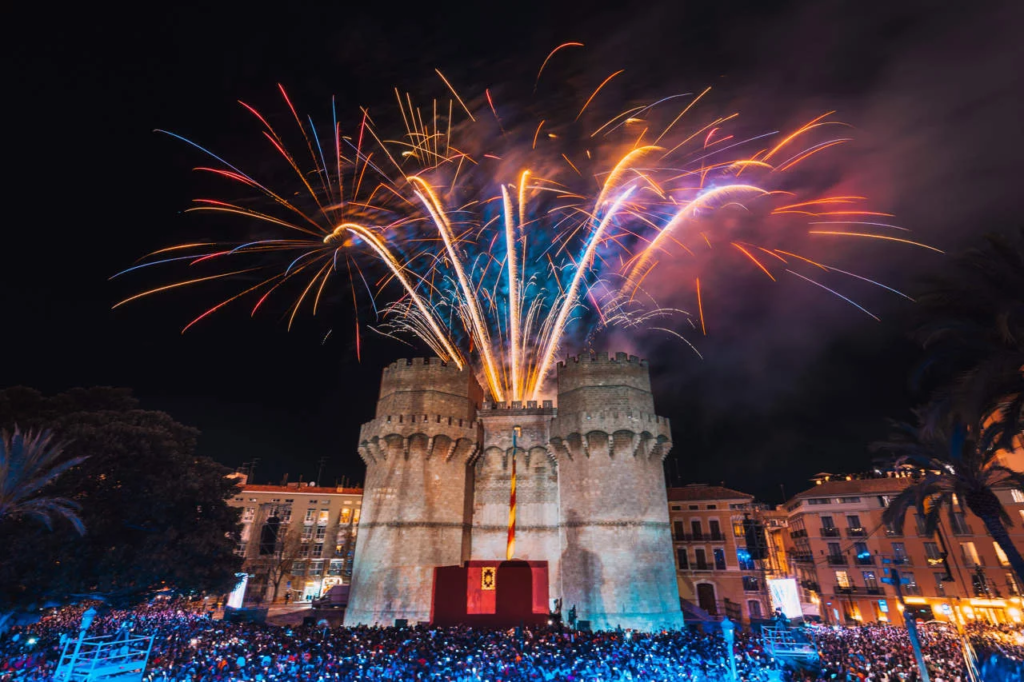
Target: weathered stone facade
(590, 491)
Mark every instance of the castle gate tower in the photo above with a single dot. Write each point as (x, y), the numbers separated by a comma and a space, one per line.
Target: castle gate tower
(617, 566)
(537, 517)
(417, 494)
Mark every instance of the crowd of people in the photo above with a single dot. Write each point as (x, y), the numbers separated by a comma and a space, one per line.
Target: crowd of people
(190, 646)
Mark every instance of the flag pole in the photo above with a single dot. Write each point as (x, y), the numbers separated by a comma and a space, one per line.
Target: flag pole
(510, 547)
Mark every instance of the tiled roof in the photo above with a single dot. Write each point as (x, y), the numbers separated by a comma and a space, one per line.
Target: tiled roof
(864, 486)
(304, 490)
(700, 491)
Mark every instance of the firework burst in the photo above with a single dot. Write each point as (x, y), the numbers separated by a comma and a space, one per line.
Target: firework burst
(494, 244)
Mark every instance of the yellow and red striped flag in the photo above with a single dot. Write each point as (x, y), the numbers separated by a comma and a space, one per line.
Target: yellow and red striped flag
(510, 548)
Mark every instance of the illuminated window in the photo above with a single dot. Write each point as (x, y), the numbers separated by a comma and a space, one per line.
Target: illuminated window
(1003, 559)
(746, 563)
(870, 580)
(346, 516)
(737, 528)
(970, 554)
(323, 517)
(931, 550)
(1017, 495)
(355, 517)
(310, 515)
(843, 579)
(1011, 584)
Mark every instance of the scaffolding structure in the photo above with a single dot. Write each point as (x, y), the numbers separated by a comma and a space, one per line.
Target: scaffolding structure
(121, 657)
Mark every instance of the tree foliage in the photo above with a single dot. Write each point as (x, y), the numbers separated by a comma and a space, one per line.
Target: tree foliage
(972, 328)
(29, 464)
(961, 469)
(156, 513)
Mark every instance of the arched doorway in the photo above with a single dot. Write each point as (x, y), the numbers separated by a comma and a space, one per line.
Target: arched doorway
(706, 598)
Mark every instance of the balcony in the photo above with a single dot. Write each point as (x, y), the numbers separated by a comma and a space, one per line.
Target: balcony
(802, 558)
(848, 589)
(856, 533)
(911, 590)
(875, 590)
(962, 529)
(893, 532)
(832, 532)
(716, 537)
(865, 560)
(837, 560)
(700, 566)
(801, 533)
(810, 585)
(902, 561)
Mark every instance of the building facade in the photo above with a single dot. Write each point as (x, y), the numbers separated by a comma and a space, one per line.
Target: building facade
(839, 550)
(718, 573)
(298, 540)
(591, 496)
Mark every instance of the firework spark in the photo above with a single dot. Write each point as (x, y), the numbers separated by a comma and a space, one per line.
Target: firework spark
(494, 246)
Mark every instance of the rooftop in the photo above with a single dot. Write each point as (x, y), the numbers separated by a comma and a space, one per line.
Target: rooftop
(856, 486)
(703, 491)
(297, 489)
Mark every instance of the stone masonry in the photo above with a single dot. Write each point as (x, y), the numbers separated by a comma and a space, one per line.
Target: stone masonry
(591, 491)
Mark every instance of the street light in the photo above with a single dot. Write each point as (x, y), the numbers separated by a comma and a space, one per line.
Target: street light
(729, 633)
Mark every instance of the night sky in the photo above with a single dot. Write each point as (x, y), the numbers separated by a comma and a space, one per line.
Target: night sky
(792, 383)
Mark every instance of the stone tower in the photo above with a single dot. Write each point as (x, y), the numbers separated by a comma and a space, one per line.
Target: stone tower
(591, 495)
(616, 562)
(416, 452)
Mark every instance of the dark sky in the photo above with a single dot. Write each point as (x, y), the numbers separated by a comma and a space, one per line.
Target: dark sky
(792, 384)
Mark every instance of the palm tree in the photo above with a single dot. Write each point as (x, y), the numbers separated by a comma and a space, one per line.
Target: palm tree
(962, 469)
(28, 463)
(973, 329)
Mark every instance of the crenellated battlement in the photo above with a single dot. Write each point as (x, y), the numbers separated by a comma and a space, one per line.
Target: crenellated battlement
(573, 361)
(529, 407)
(403, 365)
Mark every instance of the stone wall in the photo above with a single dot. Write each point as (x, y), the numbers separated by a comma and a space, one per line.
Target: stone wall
(537, 521)
(415, 501)
(617, 563)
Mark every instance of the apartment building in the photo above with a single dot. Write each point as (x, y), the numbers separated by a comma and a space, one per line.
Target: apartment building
(839, 550)
(298, 540)
(718, 574)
